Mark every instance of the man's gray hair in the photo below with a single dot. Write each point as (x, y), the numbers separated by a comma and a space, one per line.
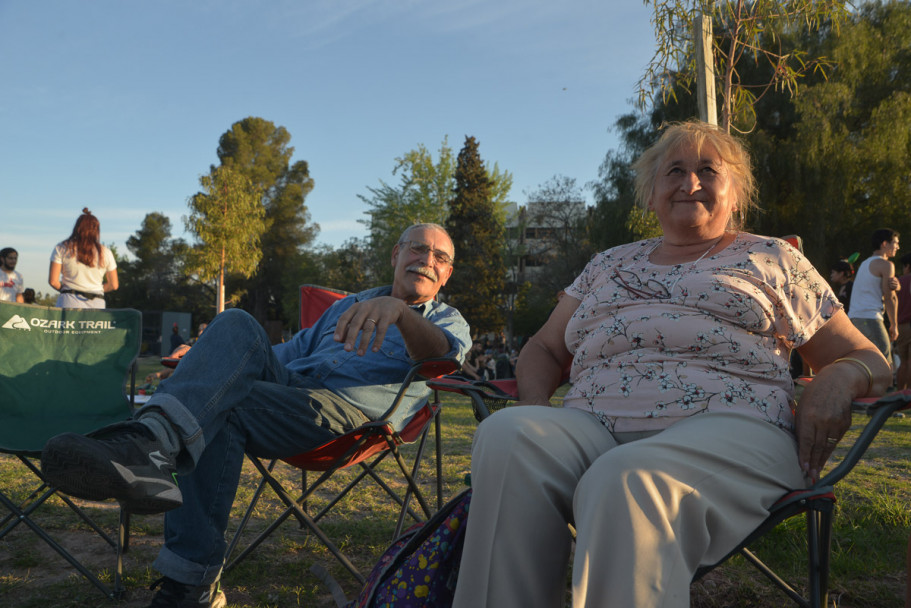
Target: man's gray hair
(427, 226)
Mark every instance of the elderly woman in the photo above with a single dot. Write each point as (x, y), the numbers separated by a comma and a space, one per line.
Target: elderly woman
(679, 430)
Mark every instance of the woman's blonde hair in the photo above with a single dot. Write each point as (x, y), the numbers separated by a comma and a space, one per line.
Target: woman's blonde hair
(699, 134)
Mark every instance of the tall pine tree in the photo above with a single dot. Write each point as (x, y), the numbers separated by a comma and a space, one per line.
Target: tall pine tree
(260, 151)
(477, 285)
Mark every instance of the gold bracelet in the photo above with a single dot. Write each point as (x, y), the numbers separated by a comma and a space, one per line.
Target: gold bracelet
(863, 366)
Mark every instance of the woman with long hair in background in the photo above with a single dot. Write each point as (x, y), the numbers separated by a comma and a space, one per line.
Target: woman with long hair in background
(82, 269)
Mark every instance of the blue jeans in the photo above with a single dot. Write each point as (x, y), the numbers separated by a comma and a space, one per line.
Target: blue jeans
(875, 331)
(229, 396)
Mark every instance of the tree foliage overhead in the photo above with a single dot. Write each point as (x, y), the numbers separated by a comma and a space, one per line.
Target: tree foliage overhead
(742, 29)
(257, 149)
(227, 219)
(477, 232)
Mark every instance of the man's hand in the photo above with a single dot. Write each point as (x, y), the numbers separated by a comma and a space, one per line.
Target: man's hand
(180, 351)
(370, 318)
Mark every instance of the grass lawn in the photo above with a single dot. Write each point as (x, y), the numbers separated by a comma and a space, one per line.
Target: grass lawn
(870, 538)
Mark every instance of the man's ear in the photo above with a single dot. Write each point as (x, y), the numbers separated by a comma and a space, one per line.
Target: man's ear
(448, 274)
(395, 253)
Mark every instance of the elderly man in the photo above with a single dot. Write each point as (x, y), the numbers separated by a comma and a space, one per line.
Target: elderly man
(234, 393)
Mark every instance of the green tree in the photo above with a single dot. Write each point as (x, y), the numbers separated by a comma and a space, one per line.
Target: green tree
(422, 195)
(742, 29)
(842, 167)
(832, 163)
(228, 220)
(257, 149)
(344, 268)
(155, 278)
(149, 280)
(477, 283)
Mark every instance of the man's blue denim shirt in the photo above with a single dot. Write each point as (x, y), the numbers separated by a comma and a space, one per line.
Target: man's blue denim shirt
(369, 382)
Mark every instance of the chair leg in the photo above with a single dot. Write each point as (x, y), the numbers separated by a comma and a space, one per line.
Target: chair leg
(411, 479)
(23, 516)
(439, 456)
(304, 518)
(246, 518)
(819, 531)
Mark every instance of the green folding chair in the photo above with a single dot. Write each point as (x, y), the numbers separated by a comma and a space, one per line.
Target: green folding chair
(63, 370)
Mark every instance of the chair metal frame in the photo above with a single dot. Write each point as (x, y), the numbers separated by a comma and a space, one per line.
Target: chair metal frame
(23, 512)
(817, 502)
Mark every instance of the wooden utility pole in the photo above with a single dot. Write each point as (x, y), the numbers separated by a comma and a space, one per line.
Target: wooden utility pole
(705, 69)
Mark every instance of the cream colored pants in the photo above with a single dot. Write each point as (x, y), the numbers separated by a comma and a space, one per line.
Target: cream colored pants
(647, 512)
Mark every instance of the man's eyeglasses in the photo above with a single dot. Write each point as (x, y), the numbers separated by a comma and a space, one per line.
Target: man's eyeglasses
(417, 248)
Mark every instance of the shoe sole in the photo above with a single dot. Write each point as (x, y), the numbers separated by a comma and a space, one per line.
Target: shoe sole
(70, 468)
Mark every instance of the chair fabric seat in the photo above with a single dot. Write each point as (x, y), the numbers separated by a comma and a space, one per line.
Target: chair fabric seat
(373, 438)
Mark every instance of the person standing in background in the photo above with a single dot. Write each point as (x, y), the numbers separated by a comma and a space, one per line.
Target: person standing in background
(82, 269)
(841, 278)
(10, 280)
(176, 338)
(874, 291)
(903, 315)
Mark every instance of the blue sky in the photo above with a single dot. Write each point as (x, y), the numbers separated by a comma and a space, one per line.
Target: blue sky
(118, 104)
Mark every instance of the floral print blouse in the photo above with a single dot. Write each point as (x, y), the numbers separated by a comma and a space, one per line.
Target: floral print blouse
(654, 344)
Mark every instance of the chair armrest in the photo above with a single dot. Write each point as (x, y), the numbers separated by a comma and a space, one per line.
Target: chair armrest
(486, 396)
(880, 410)
(422, 370)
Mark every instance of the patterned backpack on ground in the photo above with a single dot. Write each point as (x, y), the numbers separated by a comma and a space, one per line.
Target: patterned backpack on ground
(421, 567)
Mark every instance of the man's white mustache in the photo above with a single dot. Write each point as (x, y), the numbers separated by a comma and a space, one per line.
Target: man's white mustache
(423, 270)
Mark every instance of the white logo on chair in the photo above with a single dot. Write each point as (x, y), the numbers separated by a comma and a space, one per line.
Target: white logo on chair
(17, 322)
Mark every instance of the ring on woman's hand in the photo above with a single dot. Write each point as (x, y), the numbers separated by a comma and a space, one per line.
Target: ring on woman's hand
(372, 321)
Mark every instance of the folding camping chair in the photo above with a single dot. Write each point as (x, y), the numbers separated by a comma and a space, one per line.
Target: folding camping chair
(62, 370)
(367, 446)
(817, 502)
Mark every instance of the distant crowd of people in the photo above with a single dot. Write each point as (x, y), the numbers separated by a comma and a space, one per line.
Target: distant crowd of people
(490, 361)
(82, 269)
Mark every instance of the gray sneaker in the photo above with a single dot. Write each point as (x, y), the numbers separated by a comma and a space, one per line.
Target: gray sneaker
(123, 461)
(179, 595)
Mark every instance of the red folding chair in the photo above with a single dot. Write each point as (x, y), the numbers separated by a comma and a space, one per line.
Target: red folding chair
(366, 446)
(816, 502)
